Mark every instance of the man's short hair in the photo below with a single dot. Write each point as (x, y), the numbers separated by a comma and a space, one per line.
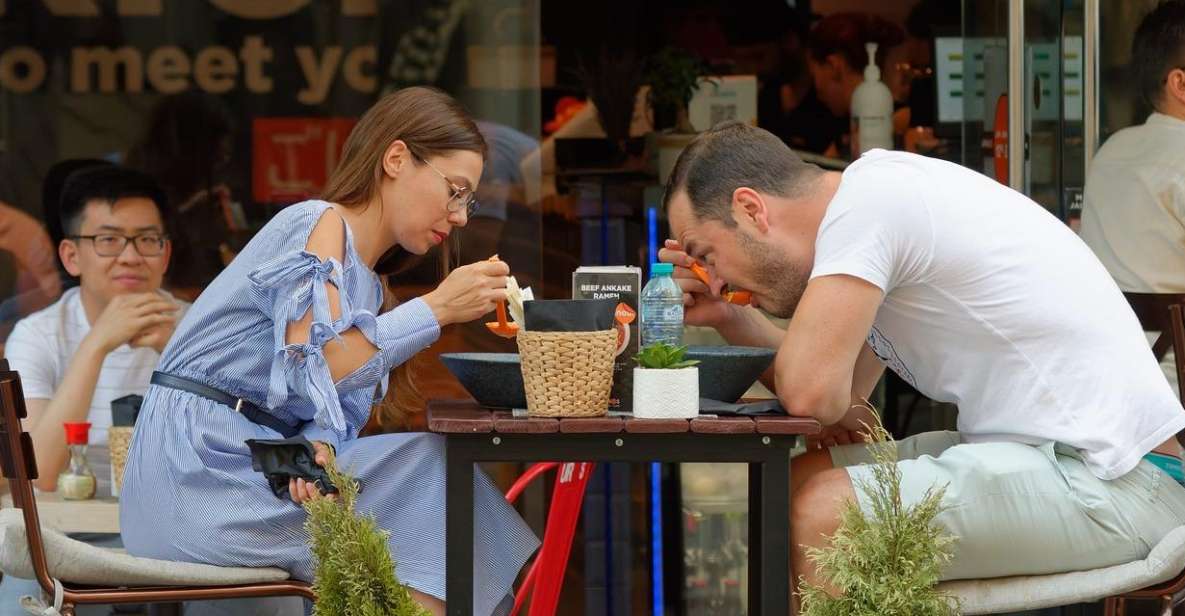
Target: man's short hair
(1158, 48)
(51, 191)
(108, 184)
(734, 155)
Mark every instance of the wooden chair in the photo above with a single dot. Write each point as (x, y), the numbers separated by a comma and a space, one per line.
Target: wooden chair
(1159, 312)
(20, 468)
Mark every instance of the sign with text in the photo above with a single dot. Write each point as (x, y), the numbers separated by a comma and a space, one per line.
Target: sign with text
(292, 157)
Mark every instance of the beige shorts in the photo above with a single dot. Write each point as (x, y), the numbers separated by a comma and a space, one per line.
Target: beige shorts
(1027, 510)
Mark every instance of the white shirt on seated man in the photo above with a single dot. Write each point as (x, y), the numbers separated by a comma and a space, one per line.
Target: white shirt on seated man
(1133, 217)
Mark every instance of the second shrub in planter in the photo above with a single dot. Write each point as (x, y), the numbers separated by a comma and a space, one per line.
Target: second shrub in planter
(666, 385)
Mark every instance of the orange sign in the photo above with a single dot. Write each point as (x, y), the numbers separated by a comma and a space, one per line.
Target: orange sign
(1000, 140)
(292, 157)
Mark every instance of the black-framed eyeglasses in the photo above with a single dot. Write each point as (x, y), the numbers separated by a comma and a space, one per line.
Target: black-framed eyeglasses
(113, 245)
(459, 196)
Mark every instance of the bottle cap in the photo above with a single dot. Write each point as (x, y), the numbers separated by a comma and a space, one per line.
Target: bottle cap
(872, 72)
(77, 433)
(658, 269)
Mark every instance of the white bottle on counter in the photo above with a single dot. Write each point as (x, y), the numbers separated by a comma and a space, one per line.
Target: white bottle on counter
(872, 110)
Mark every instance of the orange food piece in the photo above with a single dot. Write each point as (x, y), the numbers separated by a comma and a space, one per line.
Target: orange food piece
(740, 298)
(700, 272)
(503, 327)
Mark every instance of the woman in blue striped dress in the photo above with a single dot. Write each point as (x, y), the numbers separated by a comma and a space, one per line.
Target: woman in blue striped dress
(291, 330)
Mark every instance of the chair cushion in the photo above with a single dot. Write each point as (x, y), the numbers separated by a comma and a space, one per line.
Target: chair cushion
(76, 562)
(993, 596)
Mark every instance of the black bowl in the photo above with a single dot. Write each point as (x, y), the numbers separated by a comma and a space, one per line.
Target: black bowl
(727, 372)
(493, 379)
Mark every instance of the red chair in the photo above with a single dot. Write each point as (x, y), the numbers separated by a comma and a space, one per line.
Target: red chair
(546, 574)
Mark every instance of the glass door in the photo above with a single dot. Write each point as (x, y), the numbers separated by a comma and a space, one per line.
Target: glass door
(1023, 85)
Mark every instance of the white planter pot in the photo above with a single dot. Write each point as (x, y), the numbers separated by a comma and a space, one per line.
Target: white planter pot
(666, 394)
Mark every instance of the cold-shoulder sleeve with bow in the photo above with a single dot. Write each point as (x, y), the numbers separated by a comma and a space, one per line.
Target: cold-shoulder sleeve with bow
(293, 283)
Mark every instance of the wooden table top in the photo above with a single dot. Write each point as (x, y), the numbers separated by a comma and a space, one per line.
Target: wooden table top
(97, 515)
(467, 417)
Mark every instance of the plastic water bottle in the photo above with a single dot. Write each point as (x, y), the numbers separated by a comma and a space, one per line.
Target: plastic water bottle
(662, 307)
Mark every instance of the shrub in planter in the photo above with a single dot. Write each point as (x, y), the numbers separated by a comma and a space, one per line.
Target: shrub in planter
(666, 384)
(886, 564)
(354, 574)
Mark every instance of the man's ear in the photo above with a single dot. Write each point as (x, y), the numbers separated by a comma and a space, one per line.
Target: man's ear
(749, 208)
(1174, 86)
(68, 253)
(395, 157)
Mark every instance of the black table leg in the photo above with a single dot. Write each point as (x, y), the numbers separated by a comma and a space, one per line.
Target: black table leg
(773, 558)
(755, 551)
(458, 550)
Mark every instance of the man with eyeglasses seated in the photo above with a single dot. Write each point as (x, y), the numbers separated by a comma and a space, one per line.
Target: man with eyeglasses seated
(102, 339)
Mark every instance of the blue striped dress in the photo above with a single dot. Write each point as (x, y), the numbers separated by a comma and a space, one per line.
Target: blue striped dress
(189, 492)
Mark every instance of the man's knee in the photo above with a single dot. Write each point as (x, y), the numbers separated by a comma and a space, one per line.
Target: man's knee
(808, 465)
(815, 509)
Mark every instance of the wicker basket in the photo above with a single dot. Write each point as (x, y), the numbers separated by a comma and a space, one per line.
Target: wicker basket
(119, 439)
(567, 374)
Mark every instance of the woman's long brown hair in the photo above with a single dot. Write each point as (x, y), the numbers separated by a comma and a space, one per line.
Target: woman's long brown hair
(431, 124)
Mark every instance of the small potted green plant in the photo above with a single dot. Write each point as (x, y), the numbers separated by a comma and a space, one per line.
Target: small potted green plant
(674, 76)
(666, 383)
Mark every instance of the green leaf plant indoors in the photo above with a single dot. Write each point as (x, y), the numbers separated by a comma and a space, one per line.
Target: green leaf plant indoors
(887, 563)
(661, 355)
(354, 573)
(674, 77)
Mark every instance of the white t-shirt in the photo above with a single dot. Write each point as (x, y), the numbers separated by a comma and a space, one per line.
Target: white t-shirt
(993, 304)
(1134, 212)
(43, 343)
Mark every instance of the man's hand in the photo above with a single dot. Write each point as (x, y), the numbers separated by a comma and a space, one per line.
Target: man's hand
(154, 337)
(852, 429)
(702, 304)
(128, 317)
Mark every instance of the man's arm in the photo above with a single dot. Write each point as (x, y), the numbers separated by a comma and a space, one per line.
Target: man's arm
(123, 319)
(822, 361)
(853, 427)
(70, 403)
(866, 374)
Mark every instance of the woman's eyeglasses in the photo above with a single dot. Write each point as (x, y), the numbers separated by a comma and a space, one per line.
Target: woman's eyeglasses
(111, 245)
(460, 196)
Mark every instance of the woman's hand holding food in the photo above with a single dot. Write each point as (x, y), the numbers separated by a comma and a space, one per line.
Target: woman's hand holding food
(469, 292)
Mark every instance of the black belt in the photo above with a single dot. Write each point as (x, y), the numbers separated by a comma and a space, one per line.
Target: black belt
(242, 406)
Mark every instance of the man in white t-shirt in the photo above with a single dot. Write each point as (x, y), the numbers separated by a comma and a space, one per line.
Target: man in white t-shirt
(973, 294)
(1134, 212)
(102, 339)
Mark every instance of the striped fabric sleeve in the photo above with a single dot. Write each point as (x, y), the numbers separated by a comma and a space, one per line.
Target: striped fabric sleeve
(398, 334)
(286, 288)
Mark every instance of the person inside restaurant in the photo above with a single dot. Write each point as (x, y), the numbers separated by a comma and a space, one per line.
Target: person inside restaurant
(1133, 217)
(836, 59)
(959, 285)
